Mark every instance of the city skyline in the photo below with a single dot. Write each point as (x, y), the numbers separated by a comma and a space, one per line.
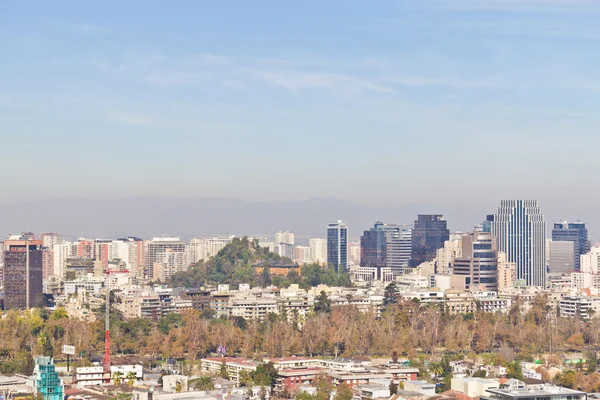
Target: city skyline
(133, 104)
(209, 216)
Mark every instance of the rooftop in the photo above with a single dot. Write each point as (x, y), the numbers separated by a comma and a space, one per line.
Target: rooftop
(543, 391)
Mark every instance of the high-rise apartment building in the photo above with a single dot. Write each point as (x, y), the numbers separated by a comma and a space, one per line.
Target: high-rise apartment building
(575, 232)
(215, 244)
(590, 262)
(195, 251)
(561, 259)
(23, 274)
(507, 272)
(302, 254)
(428, 235)
(318, 250)
(337, 246)
(49, 239)
(285, 237)
(386, 246)
(157, 249)
(520, 231)
(478, 262)
(60, 253)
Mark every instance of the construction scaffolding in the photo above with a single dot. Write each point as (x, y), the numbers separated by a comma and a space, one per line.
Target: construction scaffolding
(47, 381)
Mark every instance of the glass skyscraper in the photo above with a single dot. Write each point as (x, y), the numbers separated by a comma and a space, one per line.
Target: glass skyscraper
(520, 231)
(337, 246)
(386, 246)
(575, 232)
(428, 235)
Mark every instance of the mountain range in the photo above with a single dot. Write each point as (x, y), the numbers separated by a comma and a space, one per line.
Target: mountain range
(189, 217)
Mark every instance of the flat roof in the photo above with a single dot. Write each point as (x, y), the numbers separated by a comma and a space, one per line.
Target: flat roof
(544, 391)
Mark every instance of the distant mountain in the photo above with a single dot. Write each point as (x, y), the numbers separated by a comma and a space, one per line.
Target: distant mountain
(198, 216)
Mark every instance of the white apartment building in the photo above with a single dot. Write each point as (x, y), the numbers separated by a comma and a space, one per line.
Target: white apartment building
(302, 254)
(213, 245)
(195, 251)
(234, 365)
(285, 237)
(318, 250)
(50, 239)
(253, 308)
(583, 307)
(61, 252)
(590, 262)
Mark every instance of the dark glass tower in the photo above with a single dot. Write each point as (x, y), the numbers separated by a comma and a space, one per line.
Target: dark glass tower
(573, 232)
(373, 246)
(23, 274)
(428, 235)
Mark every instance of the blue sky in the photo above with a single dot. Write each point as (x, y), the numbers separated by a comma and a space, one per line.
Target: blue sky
(384, 102)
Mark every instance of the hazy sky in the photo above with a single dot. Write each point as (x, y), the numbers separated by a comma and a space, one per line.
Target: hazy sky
(382, 102)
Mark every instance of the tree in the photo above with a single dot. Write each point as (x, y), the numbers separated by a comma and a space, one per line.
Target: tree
(223, 373)
(482, 373)
(343, 392)
(390, 294)
(265, 375)
(131, 378)
(323, 304)
(117, 378)
(203, 383)
(514, 370)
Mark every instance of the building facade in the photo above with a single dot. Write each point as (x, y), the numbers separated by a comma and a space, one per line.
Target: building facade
(575, 232)
(561, 257)
(23, 282)
(520, 230)
(479, 261)
(337, 246)
(428, 235)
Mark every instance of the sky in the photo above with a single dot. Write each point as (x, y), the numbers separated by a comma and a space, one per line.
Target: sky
(378, 102)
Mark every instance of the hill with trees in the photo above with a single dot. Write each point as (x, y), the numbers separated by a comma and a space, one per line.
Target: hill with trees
(234, 264)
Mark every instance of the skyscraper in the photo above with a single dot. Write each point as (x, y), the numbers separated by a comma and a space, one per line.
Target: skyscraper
(373, 246)
(386, 246)
(337, 245)
(572, 232)
(520, 231)
(23, 274)
(429, 234)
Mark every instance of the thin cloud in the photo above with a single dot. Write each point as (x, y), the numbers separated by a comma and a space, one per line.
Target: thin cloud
(517, 5)
(296, 80)
(90, 28)
(137, 120)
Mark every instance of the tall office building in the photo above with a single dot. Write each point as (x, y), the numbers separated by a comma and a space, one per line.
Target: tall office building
(337, 245)
(478, 261)
(428, 235)
(520, 231)
(386, 246)
(318, 250)
(373, 246)
(575, 232)
(23, 274)
(561, 257)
